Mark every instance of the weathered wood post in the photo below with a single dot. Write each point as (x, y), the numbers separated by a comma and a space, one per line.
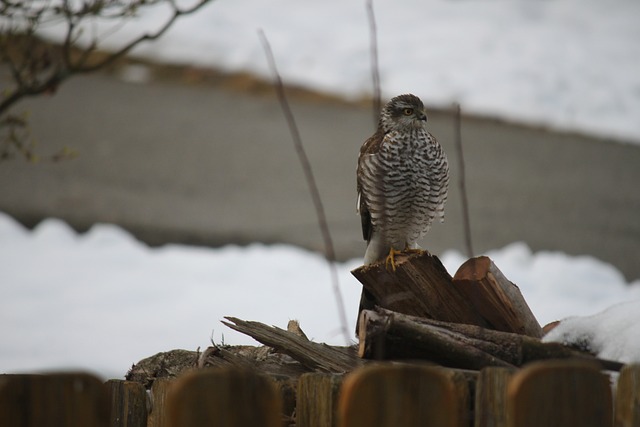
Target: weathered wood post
(491, 397)
(224, 398)
(318, 400)
(128, 403)
(159, 391)
(404, 395)
(559, 394)
(628, 397)
(70, 400)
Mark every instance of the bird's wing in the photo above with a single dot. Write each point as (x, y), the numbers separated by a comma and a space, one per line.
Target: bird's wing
(370, 147)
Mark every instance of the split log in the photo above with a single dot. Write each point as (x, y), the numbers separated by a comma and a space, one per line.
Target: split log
(388, 335)
(420, 286)
(313, 355)
(479, 294)
(495, 298)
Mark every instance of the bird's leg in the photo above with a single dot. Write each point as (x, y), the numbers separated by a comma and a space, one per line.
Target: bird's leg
(390, 260)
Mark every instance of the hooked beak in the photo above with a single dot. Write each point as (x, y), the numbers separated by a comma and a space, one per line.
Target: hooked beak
(422, 116)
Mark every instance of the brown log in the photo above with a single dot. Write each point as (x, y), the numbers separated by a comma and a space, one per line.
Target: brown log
(420, 286)
(386, 335)
(495, 298)
(313, 355)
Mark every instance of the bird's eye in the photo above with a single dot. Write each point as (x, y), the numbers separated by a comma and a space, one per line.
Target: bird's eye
(407, 111)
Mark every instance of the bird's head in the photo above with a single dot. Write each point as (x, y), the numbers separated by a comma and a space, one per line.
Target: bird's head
(403, 112)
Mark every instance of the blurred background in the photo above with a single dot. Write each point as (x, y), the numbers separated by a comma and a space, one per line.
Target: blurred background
(183, 140)
(115, 119)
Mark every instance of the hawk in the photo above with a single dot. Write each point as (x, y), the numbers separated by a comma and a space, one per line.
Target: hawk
(402, 181)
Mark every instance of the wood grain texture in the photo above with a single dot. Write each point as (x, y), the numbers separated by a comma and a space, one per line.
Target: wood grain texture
(491, 397)
(224, 398)
(559, 394)
(318, 400)
(627, 408)
(420, 286)
(404, 395)
(159, 392)
(128, 401)
(495, 298)
(69, 400)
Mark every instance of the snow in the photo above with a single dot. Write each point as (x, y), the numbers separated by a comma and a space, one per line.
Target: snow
(566, 64)
(613, 334)
(102, 300)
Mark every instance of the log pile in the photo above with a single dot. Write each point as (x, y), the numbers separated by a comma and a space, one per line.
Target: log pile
(473, 320)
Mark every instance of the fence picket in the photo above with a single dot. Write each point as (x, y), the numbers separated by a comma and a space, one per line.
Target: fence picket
(318, 400)
(224, 398)
(559, 394)
(69, 400)
(628, 397)
(159, 391)
(404, 395)
(128, 403)
(491, 396)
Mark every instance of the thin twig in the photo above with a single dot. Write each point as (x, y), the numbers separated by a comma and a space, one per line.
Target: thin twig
(461, 174)
(375, 67)
(311, 183)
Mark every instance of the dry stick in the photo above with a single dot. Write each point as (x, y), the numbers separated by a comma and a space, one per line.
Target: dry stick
(375, 69)
(311, 182)
(70, 68)
(463, 188)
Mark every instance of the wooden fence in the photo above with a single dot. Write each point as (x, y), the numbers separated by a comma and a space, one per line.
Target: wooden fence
(552, 393)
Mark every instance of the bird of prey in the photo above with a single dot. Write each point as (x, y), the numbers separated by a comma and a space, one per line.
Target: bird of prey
(402, 181)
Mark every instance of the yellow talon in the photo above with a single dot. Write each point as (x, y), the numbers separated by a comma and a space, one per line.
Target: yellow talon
(390, 260)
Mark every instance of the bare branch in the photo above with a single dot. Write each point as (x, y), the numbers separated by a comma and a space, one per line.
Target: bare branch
(37, 68)
(375, 68)
(145, 37)
(311, 183)
(461, 174)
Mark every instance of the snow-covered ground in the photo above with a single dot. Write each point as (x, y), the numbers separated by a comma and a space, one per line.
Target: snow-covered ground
(567, 64)
(102, 300)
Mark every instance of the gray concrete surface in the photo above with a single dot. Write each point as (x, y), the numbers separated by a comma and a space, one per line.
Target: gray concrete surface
(207, 165)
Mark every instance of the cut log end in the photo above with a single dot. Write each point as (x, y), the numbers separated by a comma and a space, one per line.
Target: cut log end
(495, 298)
(473, 269)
